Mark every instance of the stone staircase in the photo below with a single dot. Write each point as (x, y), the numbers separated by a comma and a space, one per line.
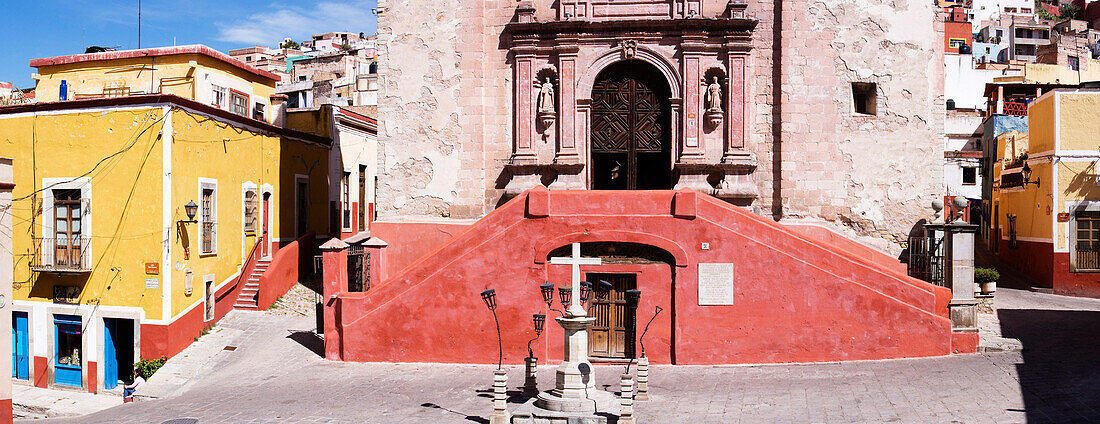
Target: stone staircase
(247, 298)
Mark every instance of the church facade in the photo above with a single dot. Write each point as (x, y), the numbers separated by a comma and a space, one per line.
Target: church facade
(663, 139)
(824, 110)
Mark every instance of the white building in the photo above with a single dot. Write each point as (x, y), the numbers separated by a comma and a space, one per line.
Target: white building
(986, 10)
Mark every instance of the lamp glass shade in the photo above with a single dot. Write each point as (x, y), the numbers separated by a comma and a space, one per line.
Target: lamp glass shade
(566, 294)
(540, 321)
(191, 209)
(603, 288)
(490, 298)
(547, 292)
(586, 290)
(1027, 172)
(632, 297)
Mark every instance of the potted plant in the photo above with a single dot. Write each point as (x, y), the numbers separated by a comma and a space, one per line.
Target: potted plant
(985, 280)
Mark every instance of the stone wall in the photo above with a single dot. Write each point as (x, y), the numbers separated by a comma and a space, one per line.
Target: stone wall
(446, 110)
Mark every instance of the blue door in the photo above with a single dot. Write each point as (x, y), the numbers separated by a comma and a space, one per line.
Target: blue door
(20, 354)
(110, 369)
(67, 350)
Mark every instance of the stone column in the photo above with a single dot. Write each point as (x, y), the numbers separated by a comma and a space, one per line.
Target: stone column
(959, 276)
(524, 150)
(643, 379)
(568, 152)
(626, 399)
(692, 149)
(500, 398)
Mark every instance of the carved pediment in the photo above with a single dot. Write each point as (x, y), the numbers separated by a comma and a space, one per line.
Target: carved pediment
(601, 10)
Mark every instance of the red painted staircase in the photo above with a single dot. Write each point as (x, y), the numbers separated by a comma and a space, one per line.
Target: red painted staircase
(247, 299)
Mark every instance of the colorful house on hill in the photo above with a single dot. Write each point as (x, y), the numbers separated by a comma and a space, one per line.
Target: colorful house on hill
(152, 202)
(1046, 196)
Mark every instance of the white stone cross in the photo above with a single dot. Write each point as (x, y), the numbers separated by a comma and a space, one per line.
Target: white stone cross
(576, 310)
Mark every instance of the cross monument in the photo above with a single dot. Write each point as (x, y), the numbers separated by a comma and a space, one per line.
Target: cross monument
(576, 310)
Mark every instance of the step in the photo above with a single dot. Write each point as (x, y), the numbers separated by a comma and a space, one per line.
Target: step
(239, 306)
(255, 285)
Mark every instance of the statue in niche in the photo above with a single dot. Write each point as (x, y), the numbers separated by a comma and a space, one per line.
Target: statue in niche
(546, 97)
(546, 111)
(714, 114)
(714, 95)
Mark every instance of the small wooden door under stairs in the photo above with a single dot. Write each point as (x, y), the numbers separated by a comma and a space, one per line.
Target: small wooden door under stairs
(612, 335)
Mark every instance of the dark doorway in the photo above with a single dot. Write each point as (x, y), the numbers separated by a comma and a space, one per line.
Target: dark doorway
(631, 135)
(302, 208)
(118, 351)
(612, 335)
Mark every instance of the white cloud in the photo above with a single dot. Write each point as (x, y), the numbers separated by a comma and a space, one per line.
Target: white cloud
(270, 27)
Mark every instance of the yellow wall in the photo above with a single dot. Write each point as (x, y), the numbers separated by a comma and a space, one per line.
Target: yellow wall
(126, 196)
(125, 199)
(1042, 73)
(1040, 125)
(1080, 120)
(173, 74)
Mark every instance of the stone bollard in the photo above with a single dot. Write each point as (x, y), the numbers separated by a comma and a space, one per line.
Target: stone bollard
(643, 379)
(626, 410)
(500, 385)
(530, 383)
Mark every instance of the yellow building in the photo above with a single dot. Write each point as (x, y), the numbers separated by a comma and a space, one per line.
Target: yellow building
(110, 263)
(1046, 194)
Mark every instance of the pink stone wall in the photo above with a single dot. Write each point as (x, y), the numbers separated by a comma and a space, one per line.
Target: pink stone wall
(447, 109)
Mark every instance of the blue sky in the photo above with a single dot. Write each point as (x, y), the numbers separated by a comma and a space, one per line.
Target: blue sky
(44, 28)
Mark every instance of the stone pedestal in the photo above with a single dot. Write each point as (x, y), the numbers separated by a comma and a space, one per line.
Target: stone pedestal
(643, 379)
(530, 383)
(958, 239)
(575, 387)
(626, 399)
(500, 398)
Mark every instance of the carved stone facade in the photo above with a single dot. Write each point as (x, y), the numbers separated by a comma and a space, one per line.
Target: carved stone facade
(465, 123)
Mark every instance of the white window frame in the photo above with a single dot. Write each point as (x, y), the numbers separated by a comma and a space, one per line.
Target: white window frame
(208, 183)
(245, 98)
(84, 184)
(219, 96)
(1073, 207)
(345, 200)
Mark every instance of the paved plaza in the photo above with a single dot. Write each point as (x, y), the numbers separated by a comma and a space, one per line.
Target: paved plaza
(276, 375)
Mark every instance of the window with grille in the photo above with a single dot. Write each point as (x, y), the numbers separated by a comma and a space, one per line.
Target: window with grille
(1087, 244)
(362, 197)
(1012, 230)
(208, 219)
(970, 176)
(238, 103)
(345, 198)
(250, 211)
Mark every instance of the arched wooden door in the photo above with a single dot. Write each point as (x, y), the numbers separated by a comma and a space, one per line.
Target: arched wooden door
(631, 138)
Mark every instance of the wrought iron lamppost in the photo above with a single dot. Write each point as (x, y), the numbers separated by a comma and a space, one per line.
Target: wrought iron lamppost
(490, 298)
(632, 297)
(540, 321)
(586, 291)
(641, 338)
(548, 297)
(566, 295)
(602, 289)
(1027, 176)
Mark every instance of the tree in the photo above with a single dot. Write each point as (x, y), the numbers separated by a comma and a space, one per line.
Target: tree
(1045, 15)
(345, 47)
(1069, 11)
(290, 44)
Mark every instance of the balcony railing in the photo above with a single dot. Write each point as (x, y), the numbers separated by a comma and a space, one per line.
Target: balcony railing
(1016, 108)
(62, 254)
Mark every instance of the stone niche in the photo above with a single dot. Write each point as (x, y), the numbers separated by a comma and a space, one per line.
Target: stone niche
(703, 60)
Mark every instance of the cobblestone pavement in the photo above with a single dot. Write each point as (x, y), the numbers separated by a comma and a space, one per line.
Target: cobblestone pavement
(275, 375)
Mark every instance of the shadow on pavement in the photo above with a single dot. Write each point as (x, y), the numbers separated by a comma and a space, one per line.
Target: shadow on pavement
(310, 340)
(1060, 374)
(473, 418)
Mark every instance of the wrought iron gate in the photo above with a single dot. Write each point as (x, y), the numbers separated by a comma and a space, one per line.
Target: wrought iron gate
(358, 269)
(926, 259)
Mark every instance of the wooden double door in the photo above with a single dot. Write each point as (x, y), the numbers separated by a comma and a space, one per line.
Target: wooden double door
(612, 335)
(631, 137)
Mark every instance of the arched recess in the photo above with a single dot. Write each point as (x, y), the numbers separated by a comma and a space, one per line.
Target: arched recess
(584, 84)
(679, 255)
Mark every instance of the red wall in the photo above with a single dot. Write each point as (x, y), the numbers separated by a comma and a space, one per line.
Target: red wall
(1035, 259)
(282, 273)
(1086, 284)
(797, 299)
(852, 247)
(409, 241)
(962, 30)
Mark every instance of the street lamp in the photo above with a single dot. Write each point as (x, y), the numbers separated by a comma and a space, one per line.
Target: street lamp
(603, 288)
(566, 294)
(1027, 176)
(540, 321)
(490, 298)
(586, 289)
(191, 209)
(632, 297)
(548, 297)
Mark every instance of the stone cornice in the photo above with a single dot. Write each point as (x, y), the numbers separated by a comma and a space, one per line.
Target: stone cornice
(708, 26)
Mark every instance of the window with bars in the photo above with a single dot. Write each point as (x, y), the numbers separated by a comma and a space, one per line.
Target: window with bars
(1087, 243)
(345, 198)
(208, 220)
(1012, 230)
(250, 211)
(362, 197)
